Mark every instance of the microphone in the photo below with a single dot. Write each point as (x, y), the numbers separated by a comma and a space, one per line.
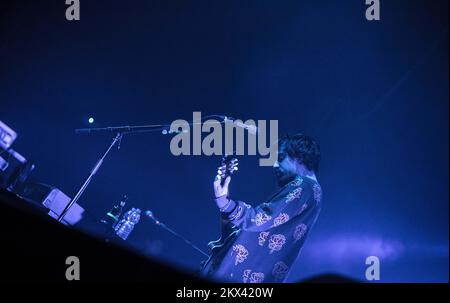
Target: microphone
(149, 214)
(252, 129)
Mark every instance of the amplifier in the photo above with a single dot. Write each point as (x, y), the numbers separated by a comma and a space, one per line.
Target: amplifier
(14, 169)
(7, 136)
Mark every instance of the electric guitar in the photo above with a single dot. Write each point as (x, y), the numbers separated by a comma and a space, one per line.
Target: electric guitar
(228, 231)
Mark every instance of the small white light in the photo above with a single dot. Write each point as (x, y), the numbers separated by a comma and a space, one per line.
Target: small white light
(91, 120)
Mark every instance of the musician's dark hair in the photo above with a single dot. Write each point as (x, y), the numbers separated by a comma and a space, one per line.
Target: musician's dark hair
(303, 148)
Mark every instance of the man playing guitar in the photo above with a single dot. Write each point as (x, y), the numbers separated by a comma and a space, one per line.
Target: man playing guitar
(260, 244)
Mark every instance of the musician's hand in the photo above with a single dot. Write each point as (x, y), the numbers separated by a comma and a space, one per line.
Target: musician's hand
(219, 189)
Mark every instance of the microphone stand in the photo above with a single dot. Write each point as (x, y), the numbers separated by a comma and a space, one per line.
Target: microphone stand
(149, 215)
(120, 131)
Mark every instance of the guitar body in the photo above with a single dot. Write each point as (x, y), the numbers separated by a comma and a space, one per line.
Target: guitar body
(217, 248)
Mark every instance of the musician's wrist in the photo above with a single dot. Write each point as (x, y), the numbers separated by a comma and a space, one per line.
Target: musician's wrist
(224, 203)
(222, 200)
(221, 196)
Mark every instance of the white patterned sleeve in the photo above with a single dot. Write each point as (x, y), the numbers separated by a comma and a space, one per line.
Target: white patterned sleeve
(297, 199)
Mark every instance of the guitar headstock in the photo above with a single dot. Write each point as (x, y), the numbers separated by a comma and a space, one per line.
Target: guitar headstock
(228, 166)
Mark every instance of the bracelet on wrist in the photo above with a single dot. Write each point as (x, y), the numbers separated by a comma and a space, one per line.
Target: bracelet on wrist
(223, 208)
(220, 196)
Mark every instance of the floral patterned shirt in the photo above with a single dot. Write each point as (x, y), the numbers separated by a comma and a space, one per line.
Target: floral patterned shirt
(270, 236)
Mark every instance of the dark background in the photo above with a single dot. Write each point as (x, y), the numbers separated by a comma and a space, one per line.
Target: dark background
(374, 94)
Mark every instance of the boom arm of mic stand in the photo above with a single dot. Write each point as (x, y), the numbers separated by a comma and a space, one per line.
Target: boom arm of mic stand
(140, 128)
(122, 129)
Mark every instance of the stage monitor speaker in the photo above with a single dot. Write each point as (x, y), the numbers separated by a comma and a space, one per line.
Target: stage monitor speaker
(53, 199)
